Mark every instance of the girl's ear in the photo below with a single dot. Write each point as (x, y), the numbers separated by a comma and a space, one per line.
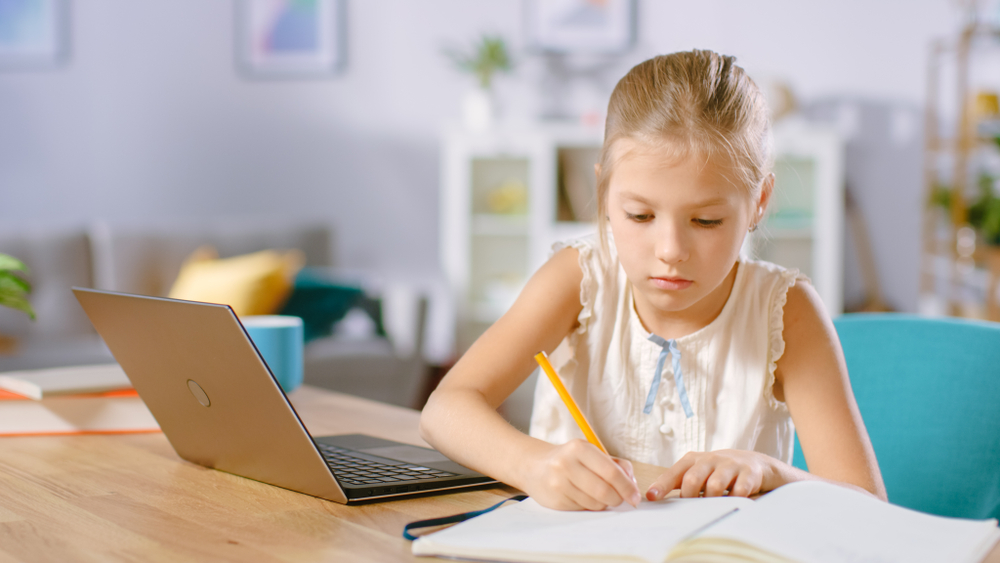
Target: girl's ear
(766, 190)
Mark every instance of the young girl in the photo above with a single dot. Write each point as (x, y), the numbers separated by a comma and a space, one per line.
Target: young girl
(679, 352)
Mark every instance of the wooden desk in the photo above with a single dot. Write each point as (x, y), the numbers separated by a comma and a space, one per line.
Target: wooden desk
(130, 498)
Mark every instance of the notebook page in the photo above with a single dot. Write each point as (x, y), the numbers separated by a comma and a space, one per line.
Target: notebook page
(820, 522)
(527, 531)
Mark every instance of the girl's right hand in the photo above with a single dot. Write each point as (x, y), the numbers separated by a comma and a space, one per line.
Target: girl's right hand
(579, 476)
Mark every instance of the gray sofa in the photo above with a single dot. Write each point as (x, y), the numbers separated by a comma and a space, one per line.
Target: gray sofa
(146, 259)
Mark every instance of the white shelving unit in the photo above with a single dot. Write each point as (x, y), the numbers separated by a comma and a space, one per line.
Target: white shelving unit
(502, 209)
(804, 227)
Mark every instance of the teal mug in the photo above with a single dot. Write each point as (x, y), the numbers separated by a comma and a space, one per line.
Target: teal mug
(279, 340)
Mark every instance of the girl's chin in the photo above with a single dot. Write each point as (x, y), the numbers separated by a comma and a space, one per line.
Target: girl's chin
(670, 303)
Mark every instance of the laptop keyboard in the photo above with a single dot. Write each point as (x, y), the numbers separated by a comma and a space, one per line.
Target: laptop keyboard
(355, 468)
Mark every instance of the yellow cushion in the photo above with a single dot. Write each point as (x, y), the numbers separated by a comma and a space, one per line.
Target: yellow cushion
(252, 284)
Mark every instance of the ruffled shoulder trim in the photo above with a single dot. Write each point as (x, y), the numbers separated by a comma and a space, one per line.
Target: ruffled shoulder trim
(590, 264)
(776, 328)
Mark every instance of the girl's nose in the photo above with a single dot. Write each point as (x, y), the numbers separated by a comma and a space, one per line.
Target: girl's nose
(671, 245)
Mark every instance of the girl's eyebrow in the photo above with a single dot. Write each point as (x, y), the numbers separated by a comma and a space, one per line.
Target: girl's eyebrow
(718, 200)
(634, 197)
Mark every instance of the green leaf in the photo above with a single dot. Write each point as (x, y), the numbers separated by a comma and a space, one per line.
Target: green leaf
(11, 281)
(18, 302)
(991, 221)
(941, 196)
(8, 262)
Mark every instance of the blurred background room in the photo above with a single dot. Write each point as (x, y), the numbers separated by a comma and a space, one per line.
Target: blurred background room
(411, 163)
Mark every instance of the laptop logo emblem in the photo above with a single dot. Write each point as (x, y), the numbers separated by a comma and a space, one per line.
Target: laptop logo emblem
(199, 393)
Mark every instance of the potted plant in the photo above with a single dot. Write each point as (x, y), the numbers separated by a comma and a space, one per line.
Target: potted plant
(484, 59)
(984, 216)
(13, 288)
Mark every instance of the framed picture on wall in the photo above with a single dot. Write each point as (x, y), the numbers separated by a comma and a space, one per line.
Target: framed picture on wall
(598, 27)
(33, 34)
(290, 38)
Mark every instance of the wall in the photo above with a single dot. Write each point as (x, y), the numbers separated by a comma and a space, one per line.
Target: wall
(150, 121)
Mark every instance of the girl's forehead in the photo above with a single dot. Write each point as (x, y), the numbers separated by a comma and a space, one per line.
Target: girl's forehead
(678, 164)
(668, 154)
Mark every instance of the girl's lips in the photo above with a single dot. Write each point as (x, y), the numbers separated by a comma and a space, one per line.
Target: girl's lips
(671, 283)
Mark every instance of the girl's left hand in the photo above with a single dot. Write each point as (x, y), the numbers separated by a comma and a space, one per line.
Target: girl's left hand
(742, 473)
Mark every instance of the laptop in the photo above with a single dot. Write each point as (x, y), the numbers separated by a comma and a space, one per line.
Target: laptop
(218, 404)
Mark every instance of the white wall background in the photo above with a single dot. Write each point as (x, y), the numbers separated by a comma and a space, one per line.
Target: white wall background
(149, 120)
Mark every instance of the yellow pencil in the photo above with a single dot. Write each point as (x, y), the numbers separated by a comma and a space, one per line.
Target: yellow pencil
(543, 360)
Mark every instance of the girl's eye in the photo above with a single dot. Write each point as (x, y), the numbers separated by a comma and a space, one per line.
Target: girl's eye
(709, 223)
(638, 217)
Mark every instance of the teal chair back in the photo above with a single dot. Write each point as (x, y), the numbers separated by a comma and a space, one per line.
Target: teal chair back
(929, 393)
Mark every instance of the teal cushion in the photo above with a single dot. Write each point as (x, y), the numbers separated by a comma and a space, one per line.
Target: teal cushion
(320, 303)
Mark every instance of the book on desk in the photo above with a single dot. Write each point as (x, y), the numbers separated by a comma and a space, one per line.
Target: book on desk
(807, 521)
(41, 384)
(77, 400)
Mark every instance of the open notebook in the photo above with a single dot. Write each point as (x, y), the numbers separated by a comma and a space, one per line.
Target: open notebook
(806, 521)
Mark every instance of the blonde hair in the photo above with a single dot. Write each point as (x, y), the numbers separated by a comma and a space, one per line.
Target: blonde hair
(692, 102)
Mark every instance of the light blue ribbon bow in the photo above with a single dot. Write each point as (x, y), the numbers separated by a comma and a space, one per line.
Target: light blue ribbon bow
(669, 347)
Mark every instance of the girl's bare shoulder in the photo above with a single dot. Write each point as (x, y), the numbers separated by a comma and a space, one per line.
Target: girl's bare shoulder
(557, 281)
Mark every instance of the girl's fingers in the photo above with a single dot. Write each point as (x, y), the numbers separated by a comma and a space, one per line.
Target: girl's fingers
(626, 466)
(606, 480)
(712, 473)
(580, 473)
(594, 481)
(694, 480)
(585, 499)
(622, 478)
(592, 497)
(721, 480)
(669, 479)
(589, 490)
(599, 494)
(745, 485)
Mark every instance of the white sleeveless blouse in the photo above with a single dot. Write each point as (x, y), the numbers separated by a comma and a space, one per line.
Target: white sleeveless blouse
(727, 369)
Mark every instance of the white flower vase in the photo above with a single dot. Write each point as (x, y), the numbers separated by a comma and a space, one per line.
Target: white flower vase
(478, 110)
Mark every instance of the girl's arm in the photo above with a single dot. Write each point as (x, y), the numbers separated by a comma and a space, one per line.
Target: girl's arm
(811, 377)
(461, 420)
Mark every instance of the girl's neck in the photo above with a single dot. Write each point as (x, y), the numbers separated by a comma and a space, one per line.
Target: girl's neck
(675, 324)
